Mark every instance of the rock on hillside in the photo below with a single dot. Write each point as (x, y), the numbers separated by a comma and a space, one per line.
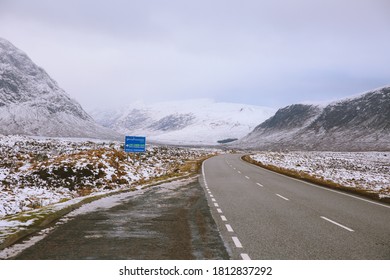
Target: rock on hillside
(353, 124)
(32, 103)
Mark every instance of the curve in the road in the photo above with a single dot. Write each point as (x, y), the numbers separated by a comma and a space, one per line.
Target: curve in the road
(278, 217)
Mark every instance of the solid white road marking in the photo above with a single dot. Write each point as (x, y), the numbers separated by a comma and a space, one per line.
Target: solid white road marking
(247, 177)
(285, 198)
(237, 242)
(245, 257)
(260, 185)
(223, 218)
(229, 228)
(204, 175)
(337, 224)
(216, 205)
(219, 210)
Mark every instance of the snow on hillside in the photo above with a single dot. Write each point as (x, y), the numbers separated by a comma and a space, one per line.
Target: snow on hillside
(32, 103)
(368, 171)
(200, 121)
(39, 172)
(360, 123)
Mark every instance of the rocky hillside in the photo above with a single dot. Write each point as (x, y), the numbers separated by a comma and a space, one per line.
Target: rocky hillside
(32, 103)
(354, 124)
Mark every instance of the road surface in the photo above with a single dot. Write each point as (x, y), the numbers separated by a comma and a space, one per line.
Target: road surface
(265, 215)
(259, 214)
(167, 222)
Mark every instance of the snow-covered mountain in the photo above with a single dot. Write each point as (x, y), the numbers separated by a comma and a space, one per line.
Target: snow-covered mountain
(359, 123)
(192, 122)
(32, 103)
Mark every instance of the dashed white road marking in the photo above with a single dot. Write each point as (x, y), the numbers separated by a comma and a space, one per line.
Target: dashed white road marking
(245, 257)
(324, 188)
(337, 224)
(237, 242)
(229, 228)
(285, 198)
(260, 185)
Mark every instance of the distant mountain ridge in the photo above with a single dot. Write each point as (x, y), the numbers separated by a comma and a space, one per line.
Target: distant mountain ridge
(359, 123)
(32, 103)
(192, 122)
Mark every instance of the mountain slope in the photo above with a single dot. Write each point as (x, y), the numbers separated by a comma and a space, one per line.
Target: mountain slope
(360, 123)
(32, 103)
(198, 122)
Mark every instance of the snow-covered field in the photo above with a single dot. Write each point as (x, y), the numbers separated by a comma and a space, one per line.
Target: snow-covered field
(39, 172)
(368, 171)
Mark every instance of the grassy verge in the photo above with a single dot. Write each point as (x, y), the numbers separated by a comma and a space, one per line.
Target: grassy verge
(317, 180)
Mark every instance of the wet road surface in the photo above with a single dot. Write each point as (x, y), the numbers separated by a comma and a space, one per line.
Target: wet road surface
(171, 221)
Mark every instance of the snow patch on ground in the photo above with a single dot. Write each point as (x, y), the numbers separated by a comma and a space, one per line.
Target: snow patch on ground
(37, 172)
(362, 170)
(18, 248)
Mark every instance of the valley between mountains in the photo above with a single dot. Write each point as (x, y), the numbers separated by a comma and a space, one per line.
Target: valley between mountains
(56, 157)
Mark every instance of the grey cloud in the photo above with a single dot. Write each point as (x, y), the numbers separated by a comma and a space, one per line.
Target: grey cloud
(261, 52)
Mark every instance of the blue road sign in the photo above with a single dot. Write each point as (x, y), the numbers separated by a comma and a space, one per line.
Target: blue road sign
(135, 144)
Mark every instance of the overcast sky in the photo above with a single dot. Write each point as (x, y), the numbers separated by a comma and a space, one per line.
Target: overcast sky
(262, 52)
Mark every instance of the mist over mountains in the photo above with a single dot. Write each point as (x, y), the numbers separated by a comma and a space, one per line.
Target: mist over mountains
(32, 103)
(190, 122)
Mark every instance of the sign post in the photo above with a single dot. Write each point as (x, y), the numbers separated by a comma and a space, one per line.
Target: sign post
(135, 144)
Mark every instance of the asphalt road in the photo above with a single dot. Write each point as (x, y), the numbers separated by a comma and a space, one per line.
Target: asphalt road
(265, 215)
(167, 222)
